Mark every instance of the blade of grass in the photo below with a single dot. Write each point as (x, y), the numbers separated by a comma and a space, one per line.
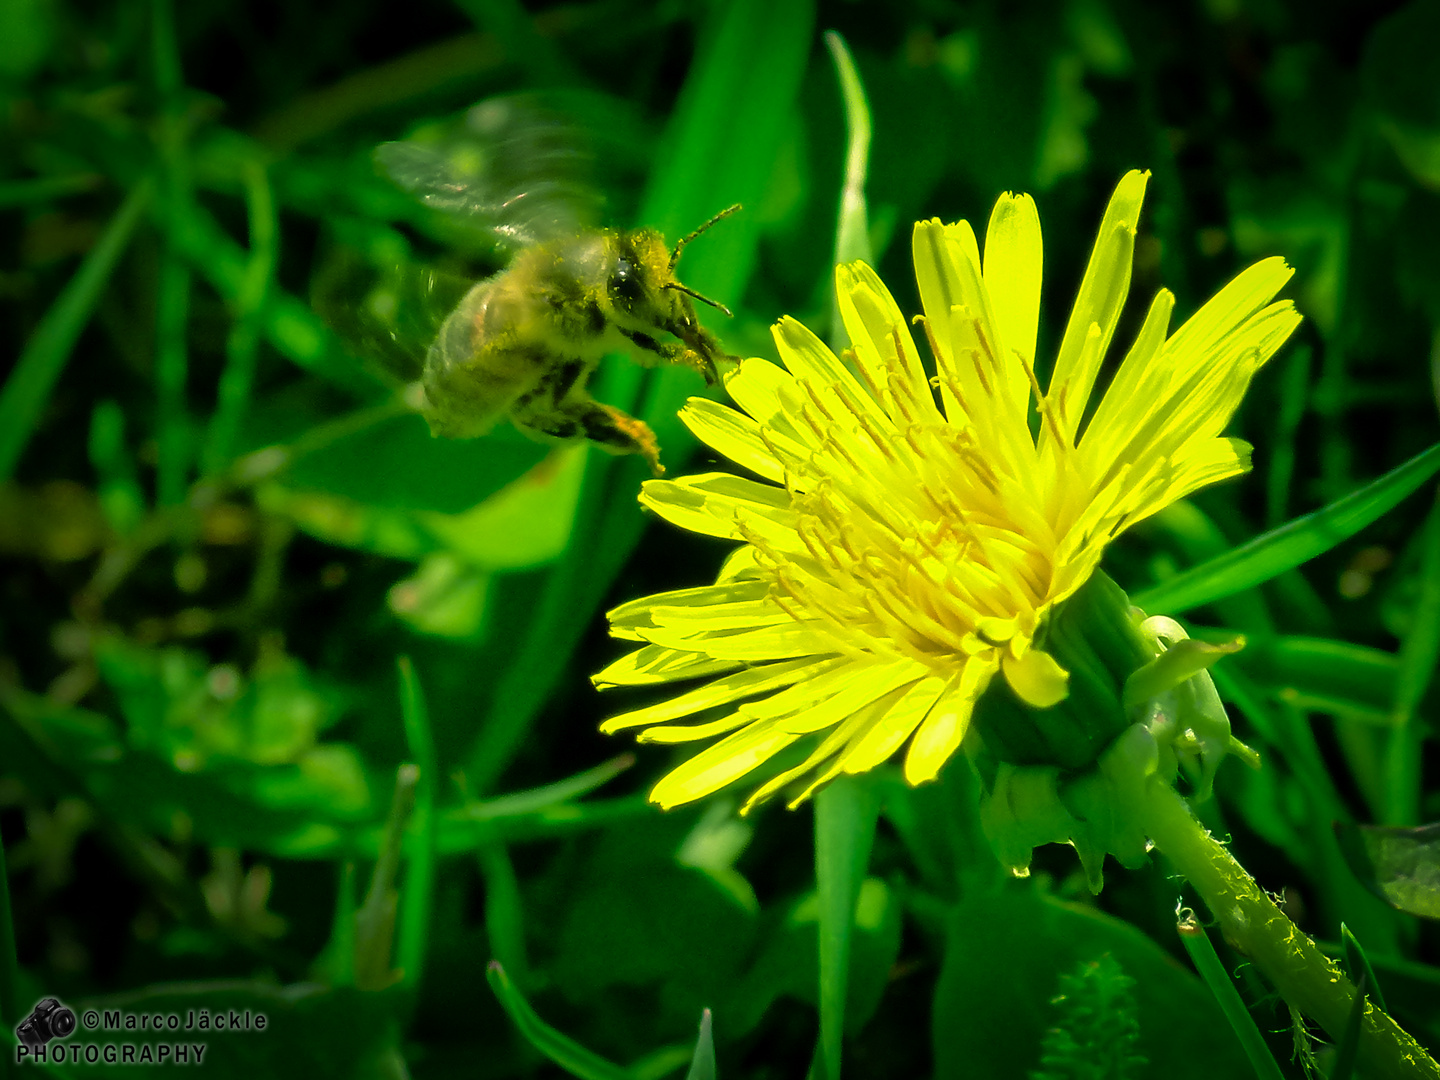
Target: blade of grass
(1294, 387)
(702, 1065)
(1419, 653)
(44, 356)
(1290, 545)
(1359, 964)
(1362, 677)
(852, 230)
(721, 145)
(1198, 538)
(418, 890)
(504, 912)
(242, 345)
(537, 799)
(1348, 1047)
(375, 919)
(845, 815)
(561, 1049)
(1202, 955)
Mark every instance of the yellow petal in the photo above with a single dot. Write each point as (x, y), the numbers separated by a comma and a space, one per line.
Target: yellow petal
(945, 725)
(809, 358)
(637, 612)
(743, 684)
(718, 765)
(1102, 295)
(878, 331)
(778, 642)
(1248, 292)
(1037, 678)
(1013, 263)
(733, 434)
(654, 664)
(719, 504)
(894, 727)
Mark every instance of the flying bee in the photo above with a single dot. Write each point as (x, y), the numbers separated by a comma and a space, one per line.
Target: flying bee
(524, 343)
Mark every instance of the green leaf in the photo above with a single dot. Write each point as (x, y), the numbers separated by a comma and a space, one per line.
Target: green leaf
(395, 463)
(229, 802)
(1290, 545)
(1004, 954)
(1400, 865)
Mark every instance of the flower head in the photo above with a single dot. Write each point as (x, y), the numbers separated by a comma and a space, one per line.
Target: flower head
(910, 534)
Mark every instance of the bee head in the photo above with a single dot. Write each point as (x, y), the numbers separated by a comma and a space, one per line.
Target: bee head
(675, 259)
(642, 285)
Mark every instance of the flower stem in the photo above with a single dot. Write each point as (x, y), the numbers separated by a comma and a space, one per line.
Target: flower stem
(1291, 961)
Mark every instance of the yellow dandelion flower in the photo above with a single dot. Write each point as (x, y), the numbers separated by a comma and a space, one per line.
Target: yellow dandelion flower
(910, 534)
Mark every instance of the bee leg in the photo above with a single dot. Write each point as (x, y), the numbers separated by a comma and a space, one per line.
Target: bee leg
(608, 427)
(565, 379)
(621, 433)
(671, 353)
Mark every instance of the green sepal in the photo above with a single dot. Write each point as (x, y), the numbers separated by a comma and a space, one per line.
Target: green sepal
(1141, 705)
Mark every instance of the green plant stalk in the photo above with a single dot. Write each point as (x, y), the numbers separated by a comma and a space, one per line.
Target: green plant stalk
(1291, 961)
(845, 816)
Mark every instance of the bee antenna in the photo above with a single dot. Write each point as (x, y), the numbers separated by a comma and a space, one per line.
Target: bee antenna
(703, 299)
(679, 247)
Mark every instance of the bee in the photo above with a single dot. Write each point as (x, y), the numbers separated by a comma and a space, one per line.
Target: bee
(524, 343)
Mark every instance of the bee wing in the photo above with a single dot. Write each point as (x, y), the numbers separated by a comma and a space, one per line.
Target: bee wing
(511, 168)
(387, 311)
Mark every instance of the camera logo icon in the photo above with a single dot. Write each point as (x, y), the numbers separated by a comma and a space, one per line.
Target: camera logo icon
(51, 1019)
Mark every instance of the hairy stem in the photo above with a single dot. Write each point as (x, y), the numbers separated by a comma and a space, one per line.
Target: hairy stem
(1291, 961)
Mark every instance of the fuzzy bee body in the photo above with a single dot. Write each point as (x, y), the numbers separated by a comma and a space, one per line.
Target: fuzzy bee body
(524, 342)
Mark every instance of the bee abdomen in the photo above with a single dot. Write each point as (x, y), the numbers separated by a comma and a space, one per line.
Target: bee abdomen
(474, 369)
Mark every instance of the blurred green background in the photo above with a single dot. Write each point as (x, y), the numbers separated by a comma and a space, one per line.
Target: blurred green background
(221, 526)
